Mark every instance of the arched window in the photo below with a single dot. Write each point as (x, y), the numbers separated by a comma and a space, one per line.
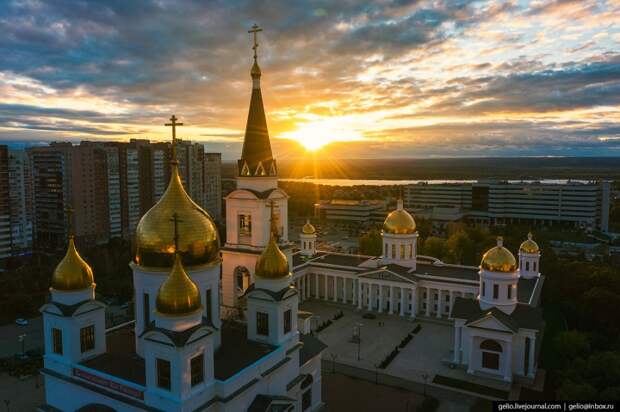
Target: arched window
(527, 265)
(490, 344)
(534, 264)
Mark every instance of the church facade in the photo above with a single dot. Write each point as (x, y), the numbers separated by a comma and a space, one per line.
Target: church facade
(493, 309)
(179, 354)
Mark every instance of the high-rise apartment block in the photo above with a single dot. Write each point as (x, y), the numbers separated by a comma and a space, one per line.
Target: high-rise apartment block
(213, 185)
(109, 185)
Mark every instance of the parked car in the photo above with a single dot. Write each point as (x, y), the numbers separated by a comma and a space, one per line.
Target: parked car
(21, 321)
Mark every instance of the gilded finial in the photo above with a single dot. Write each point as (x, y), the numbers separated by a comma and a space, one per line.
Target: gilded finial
(173, 123)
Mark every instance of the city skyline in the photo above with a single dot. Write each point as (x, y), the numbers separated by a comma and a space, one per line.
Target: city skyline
(390, 80)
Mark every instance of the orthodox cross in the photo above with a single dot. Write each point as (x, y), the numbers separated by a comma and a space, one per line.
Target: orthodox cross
(175, 219)
(174, 124)
(69, 211)
(254, 30)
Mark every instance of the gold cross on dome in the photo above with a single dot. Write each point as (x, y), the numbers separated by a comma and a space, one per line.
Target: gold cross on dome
(175, 219)
(254, 30)
(173, 123)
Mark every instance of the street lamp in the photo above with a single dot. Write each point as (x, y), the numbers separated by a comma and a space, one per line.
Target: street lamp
(425, 377)
(22, 338)
(358, 328)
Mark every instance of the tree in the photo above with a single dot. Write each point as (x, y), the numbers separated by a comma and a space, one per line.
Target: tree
(571, 344)
(371, 243)
(434, 246)
(460, 249)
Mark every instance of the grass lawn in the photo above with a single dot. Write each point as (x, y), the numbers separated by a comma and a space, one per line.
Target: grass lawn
(470, 387)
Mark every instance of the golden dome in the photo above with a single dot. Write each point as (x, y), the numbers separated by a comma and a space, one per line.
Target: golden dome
(308, 229)
(529, 246)
(198, 242)
(399, 222)
(272, 263)
(499, 259)
(178, 295)
(72, 273)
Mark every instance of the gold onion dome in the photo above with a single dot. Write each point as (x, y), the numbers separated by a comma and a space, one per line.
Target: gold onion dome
(198, 241)
(499, 259)
(178, 295)
(308, 228)
(272, 263)
(529, 246)
(399, 221)
(72, 273)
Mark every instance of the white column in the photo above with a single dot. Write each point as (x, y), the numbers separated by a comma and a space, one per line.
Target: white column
(508, 362)
(439, 302)
(414, 301)
(391, 299)
(354, 291)
(335, 288)
(402, 301)
(470, 365)
(380, 288)
(369, 296)
(428, 301)
(316, 280)
(344, 290)
(457, 344)
(532, 355)
(326, 287)
(451, 303)
(360, 286)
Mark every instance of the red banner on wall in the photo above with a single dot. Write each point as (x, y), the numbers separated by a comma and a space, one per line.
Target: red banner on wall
(115, 386)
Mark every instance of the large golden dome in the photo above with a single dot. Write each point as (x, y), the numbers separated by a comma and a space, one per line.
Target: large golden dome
(308, 229)
(198, 241)
(499, 259)
(529, 246)
(272, 263)
(72, 273)
(178, 295)
(399, 222)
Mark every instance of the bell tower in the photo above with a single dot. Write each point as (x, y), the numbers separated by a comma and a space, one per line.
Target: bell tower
(248, 207)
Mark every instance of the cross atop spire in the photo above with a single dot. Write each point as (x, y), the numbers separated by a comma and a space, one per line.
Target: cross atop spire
(175, 219)
(174, 124)
(255, 30)
(69, 211)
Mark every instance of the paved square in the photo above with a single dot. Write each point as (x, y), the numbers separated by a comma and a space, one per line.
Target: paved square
(423, 355)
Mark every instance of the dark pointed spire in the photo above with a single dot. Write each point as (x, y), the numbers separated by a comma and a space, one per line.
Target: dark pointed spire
(256, 157)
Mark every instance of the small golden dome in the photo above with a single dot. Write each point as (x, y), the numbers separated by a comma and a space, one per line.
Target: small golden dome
(72, 273)
(198, 242)
(529, 246)
(499, 259)
(308, 229)
(178, 295)
(399, 222)
(272, 263)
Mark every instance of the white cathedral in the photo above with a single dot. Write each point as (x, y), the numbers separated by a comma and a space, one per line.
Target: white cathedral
(189, 351)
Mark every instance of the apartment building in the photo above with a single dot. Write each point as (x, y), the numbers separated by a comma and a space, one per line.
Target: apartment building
(5, 213)
(213, 185)
(579, 204)
(20, 198)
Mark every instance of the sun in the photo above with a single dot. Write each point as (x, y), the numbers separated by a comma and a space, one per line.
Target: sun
(315, 135)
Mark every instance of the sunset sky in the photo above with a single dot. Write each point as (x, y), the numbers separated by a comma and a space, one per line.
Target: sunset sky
(389, 78)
